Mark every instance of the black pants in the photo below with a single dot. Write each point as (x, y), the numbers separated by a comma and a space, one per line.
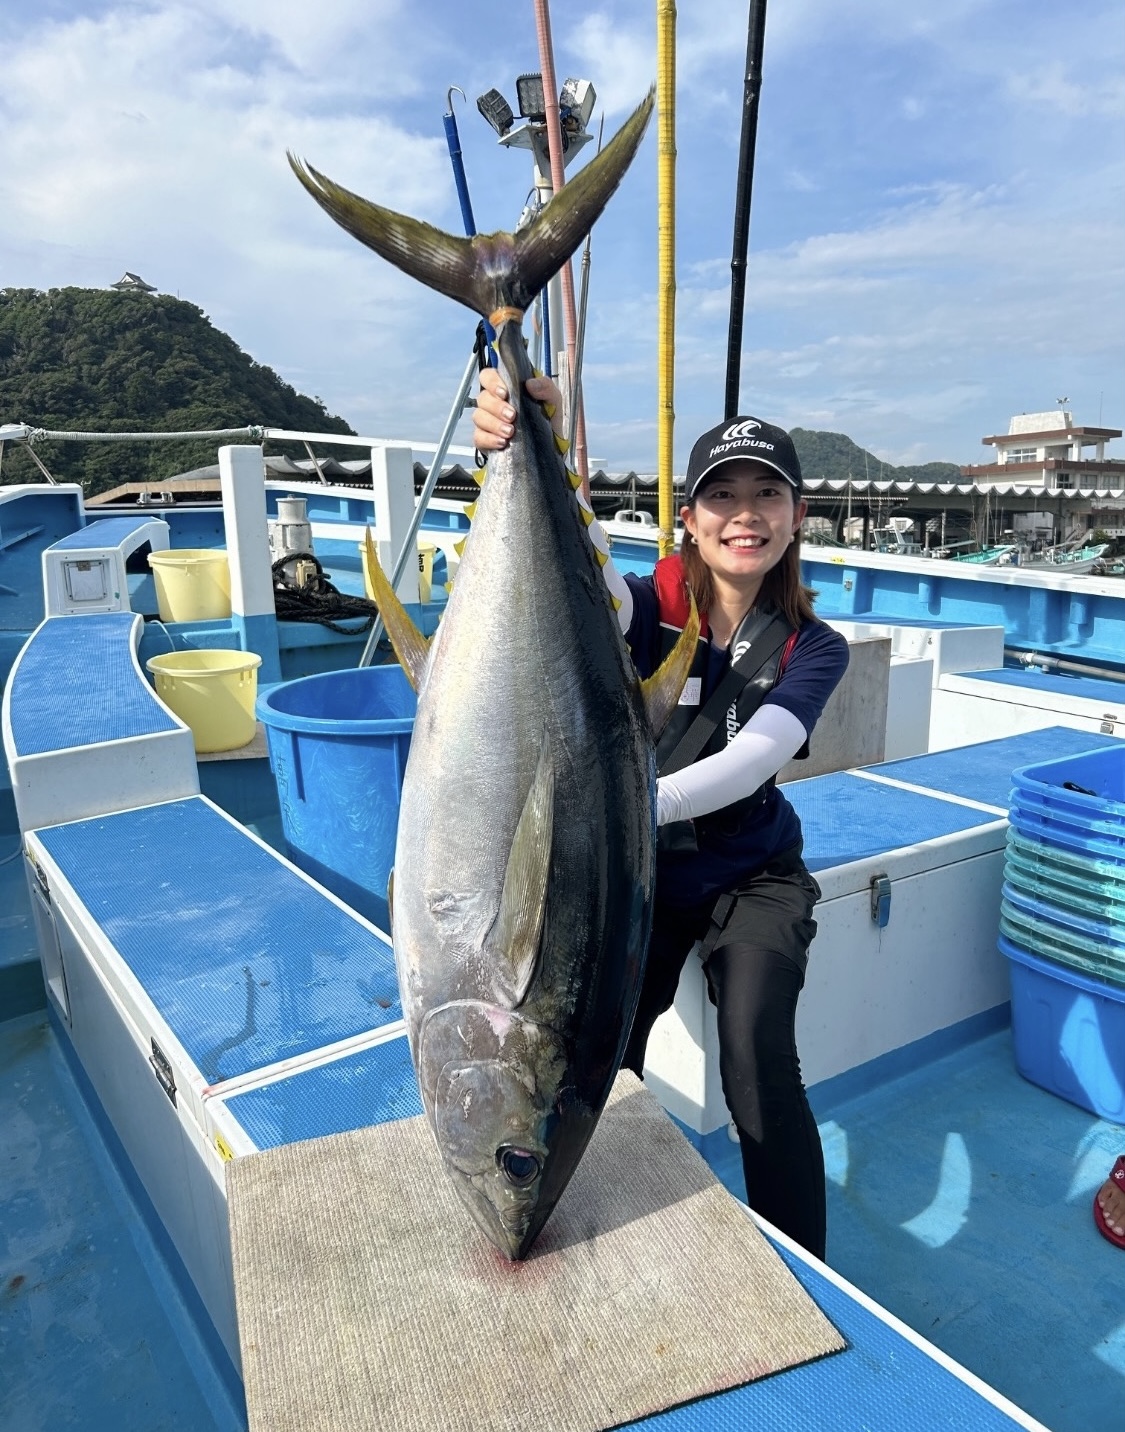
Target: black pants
(755, 950)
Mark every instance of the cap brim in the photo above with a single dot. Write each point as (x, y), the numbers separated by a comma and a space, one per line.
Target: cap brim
(740, 457)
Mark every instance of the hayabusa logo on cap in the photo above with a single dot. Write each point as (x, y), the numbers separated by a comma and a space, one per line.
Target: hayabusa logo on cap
(740, 430)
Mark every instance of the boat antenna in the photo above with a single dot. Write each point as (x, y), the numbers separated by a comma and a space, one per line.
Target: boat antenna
(755, 40)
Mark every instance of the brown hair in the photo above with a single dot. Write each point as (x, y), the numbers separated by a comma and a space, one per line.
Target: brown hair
(781, 587)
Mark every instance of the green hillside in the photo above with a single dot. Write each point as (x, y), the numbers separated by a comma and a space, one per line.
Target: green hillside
(98, 360)
(836, 457)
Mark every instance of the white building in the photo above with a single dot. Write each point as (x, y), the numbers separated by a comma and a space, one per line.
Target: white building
(1045, 451)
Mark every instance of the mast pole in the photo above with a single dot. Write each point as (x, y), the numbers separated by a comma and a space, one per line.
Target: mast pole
(555, 149)
(755, 40)
(666, 262)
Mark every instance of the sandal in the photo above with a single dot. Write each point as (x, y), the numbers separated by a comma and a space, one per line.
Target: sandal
(1117, 1173)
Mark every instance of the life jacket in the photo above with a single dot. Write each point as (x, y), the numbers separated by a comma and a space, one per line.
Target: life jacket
(674, 607)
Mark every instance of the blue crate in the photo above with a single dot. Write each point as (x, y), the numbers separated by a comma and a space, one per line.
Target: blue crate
(1060, 944)
(1033, 826)
(1087, 922)
(1062, 886)
(1101, 772)
(1062, 863)
(1068, 1032)
(1093, 818)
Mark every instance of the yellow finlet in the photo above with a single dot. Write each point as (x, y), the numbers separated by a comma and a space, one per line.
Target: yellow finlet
(586, 515)
(459, 547)
(575, 479)
(661, 691)
(410, 646)
(470, 510)
(478, 477)
(562, 445)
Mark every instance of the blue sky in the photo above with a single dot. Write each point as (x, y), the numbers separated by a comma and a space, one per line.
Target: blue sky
(938, 235)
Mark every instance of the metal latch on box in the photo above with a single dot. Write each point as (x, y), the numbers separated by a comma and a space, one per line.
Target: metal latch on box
(163, 1070)
(881, 900)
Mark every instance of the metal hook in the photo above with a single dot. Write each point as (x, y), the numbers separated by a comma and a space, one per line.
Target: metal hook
(449, 97)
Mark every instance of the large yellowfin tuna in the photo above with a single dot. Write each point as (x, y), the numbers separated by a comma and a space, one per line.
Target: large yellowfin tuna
(524, 864)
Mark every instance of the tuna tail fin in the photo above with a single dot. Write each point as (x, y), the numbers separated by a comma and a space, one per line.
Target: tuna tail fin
(488, 271)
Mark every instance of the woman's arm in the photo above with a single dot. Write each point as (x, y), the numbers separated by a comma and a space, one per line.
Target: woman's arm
(771, 737)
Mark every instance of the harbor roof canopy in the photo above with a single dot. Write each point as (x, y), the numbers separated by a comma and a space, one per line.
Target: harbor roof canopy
(1091, 435)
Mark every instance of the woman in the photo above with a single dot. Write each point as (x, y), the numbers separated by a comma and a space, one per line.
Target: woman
(729, 867)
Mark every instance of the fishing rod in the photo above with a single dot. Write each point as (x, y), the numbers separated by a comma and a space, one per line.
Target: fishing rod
(755, 42)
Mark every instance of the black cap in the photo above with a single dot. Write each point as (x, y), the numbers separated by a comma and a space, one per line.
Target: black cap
(743, 439)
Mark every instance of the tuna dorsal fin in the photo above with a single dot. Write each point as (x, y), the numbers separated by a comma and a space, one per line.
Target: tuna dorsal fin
(513, 941)
(662, 690)
(411, 647)
(487, 271)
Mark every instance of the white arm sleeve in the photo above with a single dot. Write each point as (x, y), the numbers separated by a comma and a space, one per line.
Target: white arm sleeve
(771, 737)
(619, 591)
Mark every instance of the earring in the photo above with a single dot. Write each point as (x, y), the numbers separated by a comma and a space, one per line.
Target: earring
(694, 540)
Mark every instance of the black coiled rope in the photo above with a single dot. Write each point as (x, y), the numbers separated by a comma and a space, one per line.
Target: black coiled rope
(318, 600)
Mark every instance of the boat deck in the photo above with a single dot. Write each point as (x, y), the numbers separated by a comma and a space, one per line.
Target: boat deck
(943, 1180)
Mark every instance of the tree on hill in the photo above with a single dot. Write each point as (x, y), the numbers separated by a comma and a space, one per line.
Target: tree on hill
(96, 360)
(835, 457)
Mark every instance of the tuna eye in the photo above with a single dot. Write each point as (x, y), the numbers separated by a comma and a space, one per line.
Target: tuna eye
(518, 1166)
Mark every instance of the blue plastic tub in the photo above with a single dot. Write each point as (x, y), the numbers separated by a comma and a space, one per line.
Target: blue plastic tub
(1032, 825)
(1061, 943)
(1100, 772)
(338, 744)
(1068, 1032)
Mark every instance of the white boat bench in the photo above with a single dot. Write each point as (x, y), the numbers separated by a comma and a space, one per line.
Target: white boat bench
(84, 731)
(86, 571)
(192, 964)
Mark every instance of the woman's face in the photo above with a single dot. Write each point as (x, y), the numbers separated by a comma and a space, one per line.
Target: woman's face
(743, 520)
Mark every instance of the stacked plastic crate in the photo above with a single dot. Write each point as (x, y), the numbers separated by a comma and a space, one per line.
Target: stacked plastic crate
(1062, 927)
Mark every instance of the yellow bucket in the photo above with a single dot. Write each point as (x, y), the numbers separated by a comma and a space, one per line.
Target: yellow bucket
(192, 583)
(213, 692)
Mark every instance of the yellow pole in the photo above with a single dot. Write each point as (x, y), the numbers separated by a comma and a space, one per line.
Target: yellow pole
(666, 264)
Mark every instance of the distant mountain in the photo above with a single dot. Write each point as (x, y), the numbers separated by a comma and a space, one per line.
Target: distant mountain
(836, 457)
(99, 360)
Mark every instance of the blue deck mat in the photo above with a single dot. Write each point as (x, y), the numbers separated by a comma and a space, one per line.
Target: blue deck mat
(846, 817)
(1050, 683)
(371, 1086)
(246, 962)
(984, 772)
(105, 532)
(76, 685)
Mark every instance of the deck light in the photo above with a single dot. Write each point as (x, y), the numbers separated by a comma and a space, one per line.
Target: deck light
(497, 111)
(529, 97)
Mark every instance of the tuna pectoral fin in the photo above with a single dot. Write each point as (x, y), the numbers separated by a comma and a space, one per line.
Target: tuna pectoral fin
(662, 690)
(411, 647)
(513, 941)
